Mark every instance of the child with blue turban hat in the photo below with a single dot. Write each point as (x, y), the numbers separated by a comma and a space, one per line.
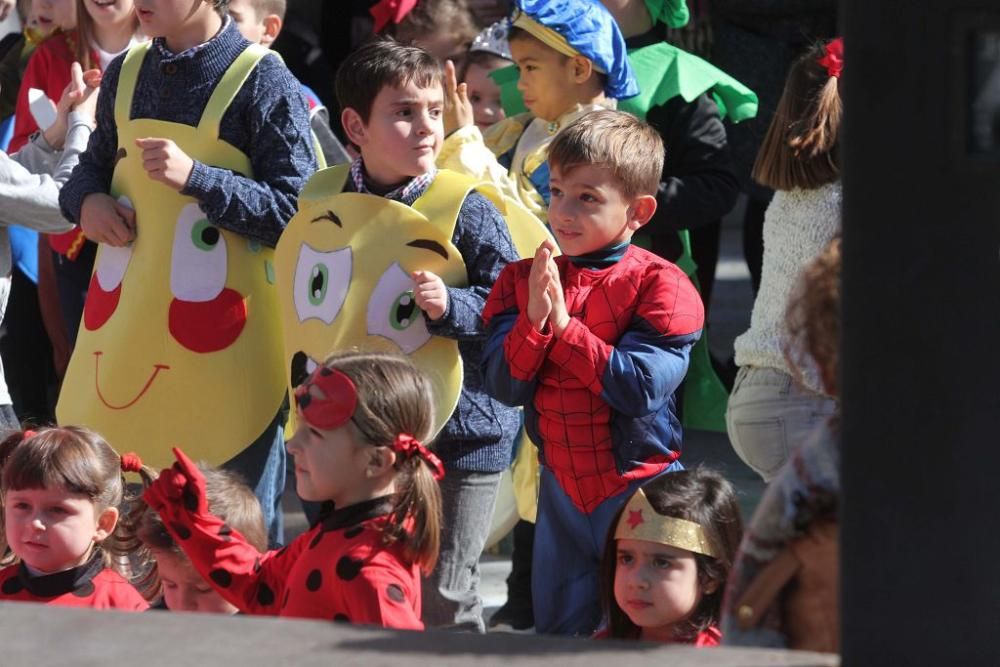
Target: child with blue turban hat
(572, 60)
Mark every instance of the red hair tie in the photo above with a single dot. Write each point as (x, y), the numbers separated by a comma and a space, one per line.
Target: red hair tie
(833, 59)
(131, 463)
(327, 399)
(393, 11)
(407, 445)
(28, 433)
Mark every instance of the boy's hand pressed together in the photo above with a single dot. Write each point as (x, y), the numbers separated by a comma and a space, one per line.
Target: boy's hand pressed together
(539, 292)
(104, 220)
(165, 162)
(458, 112)
(559, 317)
(431, 294)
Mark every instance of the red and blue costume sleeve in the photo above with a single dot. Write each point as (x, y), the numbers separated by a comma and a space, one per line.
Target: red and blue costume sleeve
(598, 399)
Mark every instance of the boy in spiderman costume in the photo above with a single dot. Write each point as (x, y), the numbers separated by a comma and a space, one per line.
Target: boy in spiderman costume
(593, 344)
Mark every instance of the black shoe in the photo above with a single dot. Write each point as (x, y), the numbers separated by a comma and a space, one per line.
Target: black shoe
(507, 620)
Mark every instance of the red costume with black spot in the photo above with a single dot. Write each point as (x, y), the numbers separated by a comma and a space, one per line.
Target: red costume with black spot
(91, 586)
(340, 570)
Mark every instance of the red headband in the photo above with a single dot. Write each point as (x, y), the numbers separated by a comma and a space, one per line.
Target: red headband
(833, 59)
(131, 463)
(407, 445)
(327, 398)
(393, 11)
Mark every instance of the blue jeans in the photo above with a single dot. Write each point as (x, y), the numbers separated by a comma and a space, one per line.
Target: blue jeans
(262, 466)
(565, 567)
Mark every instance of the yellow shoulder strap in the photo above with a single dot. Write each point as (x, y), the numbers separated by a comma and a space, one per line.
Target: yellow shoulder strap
(227, 88)
(444, 198)
(325, 183)
(127, 78)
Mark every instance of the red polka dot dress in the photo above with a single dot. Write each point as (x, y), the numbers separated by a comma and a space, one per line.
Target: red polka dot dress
(340, 570)
(91, 586)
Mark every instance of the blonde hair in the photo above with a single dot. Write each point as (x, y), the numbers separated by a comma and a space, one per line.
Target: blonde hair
(800, 147)
(229, 498)
(394, 397)
(630, 148)
(86, 40)
(82, 462)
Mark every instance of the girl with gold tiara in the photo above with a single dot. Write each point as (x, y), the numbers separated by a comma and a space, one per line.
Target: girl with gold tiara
(667, 557)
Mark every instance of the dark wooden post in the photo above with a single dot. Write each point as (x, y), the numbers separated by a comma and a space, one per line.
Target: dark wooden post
(921, 346)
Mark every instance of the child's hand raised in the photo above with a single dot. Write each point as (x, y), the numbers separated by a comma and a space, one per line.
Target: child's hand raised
(539, 287)
(458, 111)
(431, 294)
(165, 162)
(181, 483)
(105, 220)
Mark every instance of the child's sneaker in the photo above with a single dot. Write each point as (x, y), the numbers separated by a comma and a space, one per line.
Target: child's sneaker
(507, 620)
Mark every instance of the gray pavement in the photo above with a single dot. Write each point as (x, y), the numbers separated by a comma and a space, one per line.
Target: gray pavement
(729, 316)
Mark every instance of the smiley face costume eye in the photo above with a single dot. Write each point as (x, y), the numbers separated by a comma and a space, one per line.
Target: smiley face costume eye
(393, 312)
(320, 284)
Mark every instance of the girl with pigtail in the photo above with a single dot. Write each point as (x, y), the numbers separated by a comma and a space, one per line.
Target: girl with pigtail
(358, 448)
(64, 495)
(773, 407)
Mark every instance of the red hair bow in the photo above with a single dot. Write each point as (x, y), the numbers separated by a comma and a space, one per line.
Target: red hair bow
(393, 11)
(833, 59)
(131, 463)
(407, 445)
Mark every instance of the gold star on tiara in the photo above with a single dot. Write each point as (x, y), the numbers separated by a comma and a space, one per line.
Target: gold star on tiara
(639, 521)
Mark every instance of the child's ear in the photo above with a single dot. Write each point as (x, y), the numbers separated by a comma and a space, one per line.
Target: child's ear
(272, 27)
(354, 127)
(380, 461)
(640, 211)
(710, 586)
(106, 522)
(583, 69)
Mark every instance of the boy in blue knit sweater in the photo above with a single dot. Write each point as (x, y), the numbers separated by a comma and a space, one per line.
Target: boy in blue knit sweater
(392, 100)
(180, 120)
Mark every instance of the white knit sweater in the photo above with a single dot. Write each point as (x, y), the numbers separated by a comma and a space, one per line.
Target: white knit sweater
(797, 227)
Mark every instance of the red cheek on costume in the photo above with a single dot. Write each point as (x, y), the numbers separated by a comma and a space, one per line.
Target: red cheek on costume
(208, 326)
(100, 304)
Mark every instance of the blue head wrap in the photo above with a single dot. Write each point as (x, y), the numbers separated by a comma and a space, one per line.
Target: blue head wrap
(580, 27)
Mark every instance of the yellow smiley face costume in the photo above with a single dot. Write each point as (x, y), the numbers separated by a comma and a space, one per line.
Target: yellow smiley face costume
(345, 265)
(180, 342)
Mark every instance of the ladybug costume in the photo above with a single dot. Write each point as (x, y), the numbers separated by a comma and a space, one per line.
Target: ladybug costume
(91, 586)
(598, 401)
(340, 570)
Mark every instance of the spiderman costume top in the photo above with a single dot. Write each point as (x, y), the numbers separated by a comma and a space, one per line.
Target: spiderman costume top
(599, 400)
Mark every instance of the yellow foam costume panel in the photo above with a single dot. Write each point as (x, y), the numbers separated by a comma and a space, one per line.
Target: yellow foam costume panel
(180, 342)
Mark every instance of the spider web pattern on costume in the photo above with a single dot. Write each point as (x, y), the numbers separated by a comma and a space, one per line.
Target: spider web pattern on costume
(570, 412)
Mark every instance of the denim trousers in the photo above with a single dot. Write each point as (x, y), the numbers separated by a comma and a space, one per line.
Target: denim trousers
(769, 415)
(451, 593)
(262, 467)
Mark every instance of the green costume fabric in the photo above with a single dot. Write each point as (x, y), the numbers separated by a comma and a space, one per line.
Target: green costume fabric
(672, 12)
(664, 72)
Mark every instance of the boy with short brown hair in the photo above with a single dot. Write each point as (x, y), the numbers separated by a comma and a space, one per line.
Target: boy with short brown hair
(593, 344)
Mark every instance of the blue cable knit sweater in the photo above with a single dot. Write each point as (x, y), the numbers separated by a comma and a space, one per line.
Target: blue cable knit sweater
(268, 120)
(480, 434)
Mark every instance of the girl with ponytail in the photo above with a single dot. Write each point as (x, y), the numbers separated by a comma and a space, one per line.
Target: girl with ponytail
(775, 404)
(64, 497)
(362, 419)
